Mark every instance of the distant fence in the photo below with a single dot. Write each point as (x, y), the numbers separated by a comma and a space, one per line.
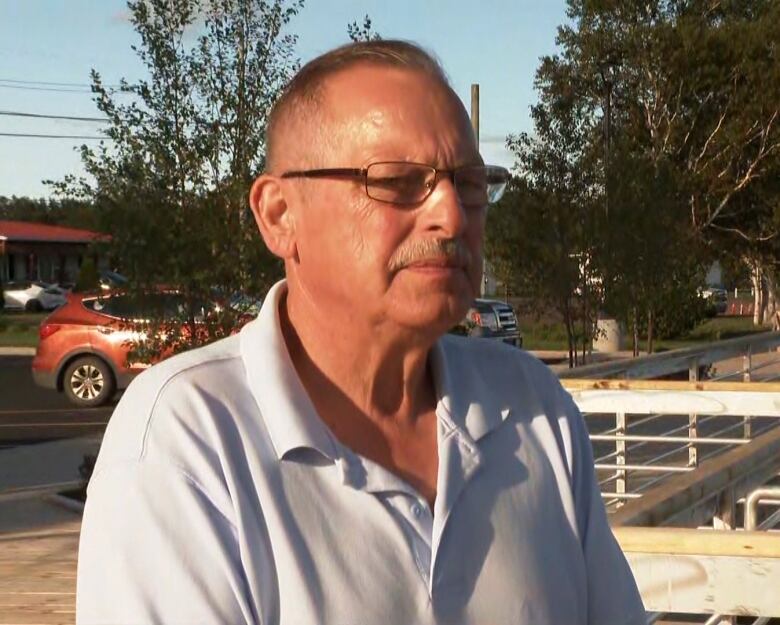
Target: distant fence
(737, 308)
(689, 359)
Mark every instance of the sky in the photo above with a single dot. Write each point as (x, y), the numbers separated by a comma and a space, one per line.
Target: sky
(495, 43)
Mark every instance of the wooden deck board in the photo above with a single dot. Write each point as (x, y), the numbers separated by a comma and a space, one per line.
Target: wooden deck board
(38, 577)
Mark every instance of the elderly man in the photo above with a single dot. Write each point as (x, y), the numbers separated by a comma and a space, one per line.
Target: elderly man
(342, 461)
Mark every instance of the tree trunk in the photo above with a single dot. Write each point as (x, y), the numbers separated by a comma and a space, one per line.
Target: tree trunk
(650, 331)
(585, 309)
(758, 293)
(569, 336)
(635, 338)
(770, 304)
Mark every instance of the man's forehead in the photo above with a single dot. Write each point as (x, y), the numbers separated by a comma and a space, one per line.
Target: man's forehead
(398, 113)
(368, 87)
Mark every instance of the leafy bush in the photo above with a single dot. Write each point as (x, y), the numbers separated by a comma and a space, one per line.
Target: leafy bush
(88, 279)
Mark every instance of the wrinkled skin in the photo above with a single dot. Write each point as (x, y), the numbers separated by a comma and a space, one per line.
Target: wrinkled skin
(346, 240)
(359, 332)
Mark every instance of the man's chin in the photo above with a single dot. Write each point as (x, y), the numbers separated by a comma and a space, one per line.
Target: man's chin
(436, 313)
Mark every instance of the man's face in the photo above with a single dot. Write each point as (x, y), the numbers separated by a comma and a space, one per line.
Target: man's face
(349, 246)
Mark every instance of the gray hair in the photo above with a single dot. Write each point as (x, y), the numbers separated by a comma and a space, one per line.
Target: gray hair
(300, 98)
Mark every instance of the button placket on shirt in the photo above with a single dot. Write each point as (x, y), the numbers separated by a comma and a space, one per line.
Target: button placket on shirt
(463, 458)
(416, 519)
(422, 524)
(416, 522)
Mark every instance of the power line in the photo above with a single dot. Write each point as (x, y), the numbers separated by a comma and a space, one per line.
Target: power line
(51, 84)
(55, 89)
(35, 136)
(114, 89)
(41, 116)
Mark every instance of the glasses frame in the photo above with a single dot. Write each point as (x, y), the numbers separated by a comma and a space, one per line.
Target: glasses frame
(357, 173)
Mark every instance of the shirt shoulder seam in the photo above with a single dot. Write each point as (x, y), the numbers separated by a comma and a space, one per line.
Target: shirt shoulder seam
(162, 388)
(178, 469)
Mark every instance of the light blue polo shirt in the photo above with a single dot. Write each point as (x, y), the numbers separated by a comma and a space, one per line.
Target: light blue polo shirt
(221, 497)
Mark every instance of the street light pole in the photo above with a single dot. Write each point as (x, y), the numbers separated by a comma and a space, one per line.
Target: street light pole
(475, 126)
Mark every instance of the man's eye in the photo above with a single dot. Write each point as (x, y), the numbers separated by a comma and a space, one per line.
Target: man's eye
(403, 184)
(472, 181)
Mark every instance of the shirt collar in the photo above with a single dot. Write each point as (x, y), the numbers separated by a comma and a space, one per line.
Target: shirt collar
(469, 399)
(472, 401)
(287, 410)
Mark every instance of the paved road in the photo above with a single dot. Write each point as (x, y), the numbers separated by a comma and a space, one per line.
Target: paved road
(29, 413)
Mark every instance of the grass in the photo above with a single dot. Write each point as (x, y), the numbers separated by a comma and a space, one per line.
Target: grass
(546, 335)
(20, 329)
(543, 335)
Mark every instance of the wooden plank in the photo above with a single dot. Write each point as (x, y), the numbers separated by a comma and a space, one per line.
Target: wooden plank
(696, 584)
(584, 384)
(647, 402)
(38, 577)
(742, 468)
(689, 541)
(677, 359)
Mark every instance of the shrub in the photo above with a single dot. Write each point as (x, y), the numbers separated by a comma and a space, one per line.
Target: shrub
(88, 279)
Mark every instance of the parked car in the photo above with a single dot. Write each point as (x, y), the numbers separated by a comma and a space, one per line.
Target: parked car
(491, 319)
(110, 280)
(83, 346)
(716, 297)
(33, 296)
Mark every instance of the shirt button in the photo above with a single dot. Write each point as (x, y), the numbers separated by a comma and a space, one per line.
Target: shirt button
(416, 510)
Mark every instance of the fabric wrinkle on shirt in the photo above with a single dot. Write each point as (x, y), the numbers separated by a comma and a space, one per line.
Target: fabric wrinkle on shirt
(220, 496)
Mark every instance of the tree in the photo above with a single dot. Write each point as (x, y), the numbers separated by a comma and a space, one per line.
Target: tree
(364, 32)
(88, 278)
(58, 212)
(543, 227)
(183, 144)
(654, 149)
(693, 82)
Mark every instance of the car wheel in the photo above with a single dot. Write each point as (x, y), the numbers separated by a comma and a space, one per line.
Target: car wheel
(33, 306)
(88, 382)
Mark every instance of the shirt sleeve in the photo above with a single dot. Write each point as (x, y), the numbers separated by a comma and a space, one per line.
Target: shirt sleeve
(155, 549)
(613, 598)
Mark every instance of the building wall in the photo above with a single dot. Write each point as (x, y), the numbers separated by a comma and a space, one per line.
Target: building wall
(44, 262)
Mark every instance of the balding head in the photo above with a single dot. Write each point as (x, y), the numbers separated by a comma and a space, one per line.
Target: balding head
(345, 251)
(296, 135)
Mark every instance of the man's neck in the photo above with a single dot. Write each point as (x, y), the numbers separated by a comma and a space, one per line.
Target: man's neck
(355, 369)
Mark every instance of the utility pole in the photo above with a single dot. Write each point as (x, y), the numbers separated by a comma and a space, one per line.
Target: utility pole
(475, 126)
(475, 110)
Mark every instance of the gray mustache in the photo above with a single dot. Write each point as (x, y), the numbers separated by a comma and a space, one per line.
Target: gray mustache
(450, 250)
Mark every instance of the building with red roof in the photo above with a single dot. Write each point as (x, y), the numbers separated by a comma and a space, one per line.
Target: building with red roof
(36, 251)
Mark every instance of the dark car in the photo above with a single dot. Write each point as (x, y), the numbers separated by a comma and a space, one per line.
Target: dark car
(491, 319)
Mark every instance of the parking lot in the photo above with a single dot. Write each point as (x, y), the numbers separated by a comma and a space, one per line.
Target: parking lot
(30, 414)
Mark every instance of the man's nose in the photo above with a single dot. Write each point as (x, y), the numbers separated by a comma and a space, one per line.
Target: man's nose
(443, 209)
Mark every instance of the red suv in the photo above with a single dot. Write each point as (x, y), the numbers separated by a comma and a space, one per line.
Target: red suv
(83, 345)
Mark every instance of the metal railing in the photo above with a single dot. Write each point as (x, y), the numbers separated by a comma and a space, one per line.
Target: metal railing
(642, 434)
(694, 454)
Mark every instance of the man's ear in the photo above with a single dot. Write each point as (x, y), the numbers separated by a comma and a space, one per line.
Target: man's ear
(273, 216)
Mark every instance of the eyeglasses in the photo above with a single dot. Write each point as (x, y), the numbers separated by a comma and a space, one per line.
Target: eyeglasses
(405, 184)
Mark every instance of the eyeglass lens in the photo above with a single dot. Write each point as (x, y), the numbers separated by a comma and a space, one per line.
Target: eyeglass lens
(410, 183)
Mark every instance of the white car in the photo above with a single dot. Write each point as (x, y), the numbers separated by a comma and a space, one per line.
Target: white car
(33, 296)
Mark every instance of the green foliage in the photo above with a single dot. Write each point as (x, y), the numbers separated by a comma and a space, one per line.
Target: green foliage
(87, 466)
(58, 212)
(185, 144)
(656, 148)
(20, 329)
(364, 32)
(88, 278)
